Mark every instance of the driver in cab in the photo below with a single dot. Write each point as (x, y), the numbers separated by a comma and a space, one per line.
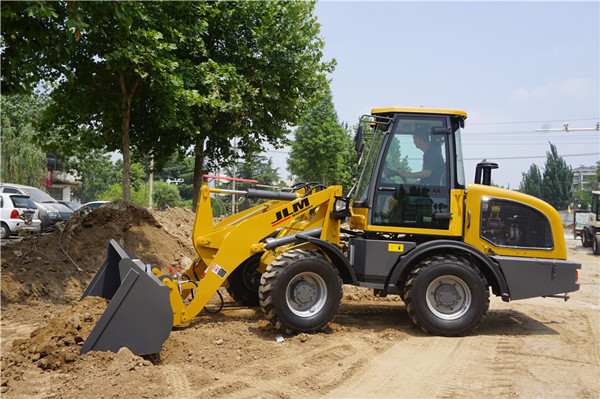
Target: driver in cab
(433, 162)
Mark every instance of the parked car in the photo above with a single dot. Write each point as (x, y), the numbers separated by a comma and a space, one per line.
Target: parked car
(50, 210)
(71, 204)
(95, 204)
(15, 209)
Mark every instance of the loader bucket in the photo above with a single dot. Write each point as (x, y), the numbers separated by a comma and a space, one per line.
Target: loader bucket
(139, 315)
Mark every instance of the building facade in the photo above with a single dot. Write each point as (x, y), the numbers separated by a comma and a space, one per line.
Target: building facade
(579, 175)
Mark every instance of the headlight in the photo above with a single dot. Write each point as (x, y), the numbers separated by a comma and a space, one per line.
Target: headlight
(341, 204)
(52, 214)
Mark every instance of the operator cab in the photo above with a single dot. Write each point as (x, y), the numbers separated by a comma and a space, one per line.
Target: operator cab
(413, 163)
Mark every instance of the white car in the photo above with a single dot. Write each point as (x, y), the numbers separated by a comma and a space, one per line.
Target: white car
(15, 210)
(50, 210)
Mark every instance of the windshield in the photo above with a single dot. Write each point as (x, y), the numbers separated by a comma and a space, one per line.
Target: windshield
(372, 142)
(38, 195)
(415, 155)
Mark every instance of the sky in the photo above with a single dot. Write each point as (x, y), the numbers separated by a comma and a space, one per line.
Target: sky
(514, 67)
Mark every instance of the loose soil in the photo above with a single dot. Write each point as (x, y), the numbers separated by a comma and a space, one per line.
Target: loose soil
(535, 348)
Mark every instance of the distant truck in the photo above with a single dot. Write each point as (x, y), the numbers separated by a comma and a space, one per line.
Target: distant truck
(590, 233)
(580, 220)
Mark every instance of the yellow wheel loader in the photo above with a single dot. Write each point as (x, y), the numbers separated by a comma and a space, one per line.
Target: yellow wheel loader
(415, 229)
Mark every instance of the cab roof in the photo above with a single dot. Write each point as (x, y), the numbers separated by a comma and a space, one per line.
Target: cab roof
(421, 110)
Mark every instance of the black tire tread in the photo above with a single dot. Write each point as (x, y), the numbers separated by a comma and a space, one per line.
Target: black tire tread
(268, 282)
(596, 245)
(409, 294)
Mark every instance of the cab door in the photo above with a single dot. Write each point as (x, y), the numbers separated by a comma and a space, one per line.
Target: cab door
(412, 192)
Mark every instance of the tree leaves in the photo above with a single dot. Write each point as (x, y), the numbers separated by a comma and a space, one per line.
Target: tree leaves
(322, 149)
(555, 185)
(532, 182)
(23, 161)
(196, 74)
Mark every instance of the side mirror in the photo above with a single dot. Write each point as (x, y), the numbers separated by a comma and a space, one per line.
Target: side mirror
(360, 153)
(358, 137)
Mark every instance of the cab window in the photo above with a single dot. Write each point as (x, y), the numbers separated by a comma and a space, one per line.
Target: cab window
(412, 188)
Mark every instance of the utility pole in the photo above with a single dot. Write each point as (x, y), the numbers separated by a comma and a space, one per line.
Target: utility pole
(150, 182)
(233, 210)
(567, 129)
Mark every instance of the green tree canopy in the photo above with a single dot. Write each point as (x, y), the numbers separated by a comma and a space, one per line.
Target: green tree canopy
(179, 168)
(583, 198)
(23, 161)
(96, 172)
(259, 168)
(322, 148)
(166, 77)
(532, 182)
(557, 184)
(165, 195)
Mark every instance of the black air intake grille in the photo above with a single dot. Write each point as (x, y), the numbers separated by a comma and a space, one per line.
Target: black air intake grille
(508, 223)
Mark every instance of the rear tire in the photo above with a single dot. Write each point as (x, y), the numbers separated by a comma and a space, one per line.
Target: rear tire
(4, 230)
(244, 282)
(446, 295)
(300, 291)
(596, 245)
(585, 242)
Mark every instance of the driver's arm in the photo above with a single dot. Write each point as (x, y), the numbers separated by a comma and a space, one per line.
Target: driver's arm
(425, 173)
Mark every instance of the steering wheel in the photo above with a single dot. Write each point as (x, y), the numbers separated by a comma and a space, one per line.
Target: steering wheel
(388, 173)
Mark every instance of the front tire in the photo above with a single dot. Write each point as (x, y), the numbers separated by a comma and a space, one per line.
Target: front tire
(446, 295)
(300, 291)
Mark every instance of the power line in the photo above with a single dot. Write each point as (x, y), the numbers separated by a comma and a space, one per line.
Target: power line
(531, 157)
(551, 121)
(528, 143)
(520, 132)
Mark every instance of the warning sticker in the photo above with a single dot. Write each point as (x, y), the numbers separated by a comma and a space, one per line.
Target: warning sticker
(396, 247)
(218, 270)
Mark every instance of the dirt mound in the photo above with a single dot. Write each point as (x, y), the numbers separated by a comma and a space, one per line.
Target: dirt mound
(59, 266)
(55, 345)
(178, 222)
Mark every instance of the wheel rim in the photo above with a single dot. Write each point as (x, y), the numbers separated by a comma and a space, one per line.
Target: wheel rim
(4, 231)
(448, 297)
(306, 294)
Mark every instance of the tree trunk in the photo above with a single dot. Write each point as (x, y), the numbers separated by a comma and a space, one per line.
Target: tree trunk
(125, 122)
(198, 169)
